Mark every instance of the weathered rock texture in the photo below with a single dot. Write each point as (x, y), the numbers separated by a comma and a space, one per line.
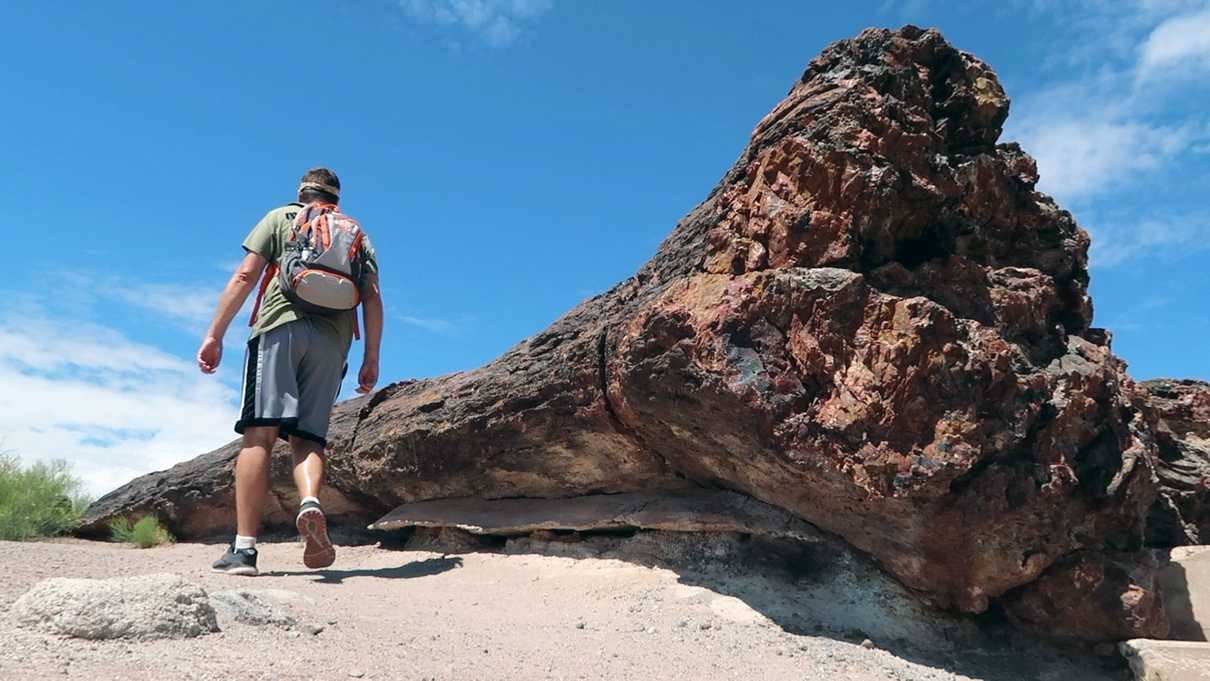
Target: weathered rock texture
(874, 322)
(1181, 414)
(1094, 598)
(142, 607)
(697, 510)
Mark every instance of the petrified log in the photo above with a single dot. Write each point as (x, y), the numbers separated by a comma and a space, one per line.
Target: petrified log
(875, 322)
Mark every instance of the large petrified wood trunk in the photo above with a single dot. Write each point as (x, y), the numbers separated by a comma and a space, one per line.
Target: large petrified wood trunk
(874, 321)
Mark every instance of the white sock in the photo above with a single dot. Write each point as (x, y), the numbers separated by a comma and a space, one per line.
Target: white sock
(242, 542)
(306, 499)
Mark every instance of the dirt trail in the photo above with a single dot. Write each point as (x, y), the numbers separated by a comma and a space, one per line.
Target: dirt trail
(407, 614)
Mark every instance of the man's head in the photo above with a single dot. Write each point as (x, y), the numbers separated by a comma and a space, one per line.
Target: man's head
(319, 184)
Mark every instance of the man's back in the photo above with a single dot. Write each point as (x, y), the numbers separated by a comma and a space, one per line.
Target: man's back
(268, 239)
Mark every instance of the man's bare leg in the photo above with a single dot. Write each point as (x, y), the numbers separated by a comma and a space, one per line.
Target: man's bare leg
(251, 488)
(252, 478)
(311, 523)
(308, 466)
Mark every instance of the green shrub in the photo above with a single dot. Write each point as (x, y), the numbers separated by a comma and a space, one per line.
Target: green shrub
(42, 500)
(145, 533)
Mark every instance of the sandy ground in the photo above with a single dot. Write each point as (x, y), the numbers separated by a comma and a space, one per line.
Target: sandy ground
(411, 614)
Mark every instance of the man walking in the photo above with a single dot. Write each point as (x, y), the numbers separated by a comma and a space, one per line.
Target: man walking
(319, 267)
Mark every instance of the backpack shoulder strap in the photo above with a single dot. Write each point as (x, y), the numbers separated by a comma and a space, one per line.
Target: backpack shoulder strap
(270, 272)
(312, 220)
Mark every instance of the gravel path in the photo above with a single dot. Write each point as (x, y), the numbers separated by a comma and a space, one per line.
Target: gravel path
(407, 614)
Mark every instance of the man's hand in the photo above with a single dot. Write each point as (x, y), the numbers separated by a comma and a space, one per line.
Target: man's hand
(210, 354)
(368, 375)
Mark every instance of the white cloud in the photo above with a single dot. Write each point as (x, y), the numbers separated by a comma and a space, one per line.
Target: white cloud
(191, 306)
(1082, 156)
(112, 406)
(497, 23)
(1117, 122)
(1178, 47)
(434, 325)
(83, 390)
(188, 307)
(1115, 241)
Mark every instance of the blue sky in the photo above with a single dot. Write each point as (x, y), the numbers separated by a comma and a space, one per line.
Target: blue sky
(509, 158)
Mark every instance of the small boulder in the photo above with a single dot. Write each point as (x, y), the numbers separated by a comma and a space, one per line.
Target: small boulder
(140, 607)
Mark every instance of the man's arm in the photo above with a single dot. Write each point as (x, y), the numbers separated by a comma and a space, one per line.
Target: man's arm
(371, 303)
(229, 303)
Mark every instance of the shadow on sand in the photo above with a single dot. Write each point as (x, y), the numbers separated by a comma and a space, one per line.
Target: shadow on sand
(806, 590)
(419, 568)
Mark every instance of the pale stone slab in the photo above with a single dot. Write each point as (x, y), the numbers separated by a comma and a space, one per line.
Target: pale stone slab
(683, 511)
(1185, 582)
(1153, 660)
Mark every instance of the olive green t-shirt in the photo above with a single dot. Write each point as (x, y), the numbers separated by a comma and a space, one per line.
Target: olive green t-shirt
(268, 238)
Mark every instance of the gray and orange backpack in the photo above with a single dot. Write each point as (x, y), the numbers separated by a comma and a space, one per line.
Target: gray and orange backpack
(320, 269)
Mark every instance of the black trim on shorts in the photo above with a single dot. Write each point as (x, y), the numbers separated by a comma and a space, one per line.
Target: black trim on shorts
(248, 412)
(304, 435)
(285, 428)
(280, 423)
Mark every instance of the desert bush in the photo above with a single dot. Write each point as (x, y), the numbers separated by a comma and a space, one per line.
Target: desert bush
(145, 533)
(41, 500)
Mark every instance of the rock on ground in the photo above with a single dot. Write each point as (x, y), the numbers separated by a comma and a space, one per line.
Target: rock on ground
(1152, 660)
(141, 607)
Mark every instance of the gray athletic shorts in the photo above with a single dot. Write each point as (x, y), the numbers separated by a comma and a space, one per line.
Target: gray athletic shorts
(292, 376)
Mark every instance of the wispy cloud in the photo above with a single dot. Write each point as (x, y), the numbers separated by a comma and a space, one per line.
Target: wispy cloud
(497, 23)
(1179, 45)
(77, 386)
(443, 327)
(187, 306)
(112, 406)
(190, 305)
(1121, 119)
(1111, 126)
(1117, 240)
(1082, 155)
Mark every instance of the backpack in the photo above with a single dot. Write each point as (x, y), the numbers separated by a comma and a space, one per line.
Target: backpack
(320, 267)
